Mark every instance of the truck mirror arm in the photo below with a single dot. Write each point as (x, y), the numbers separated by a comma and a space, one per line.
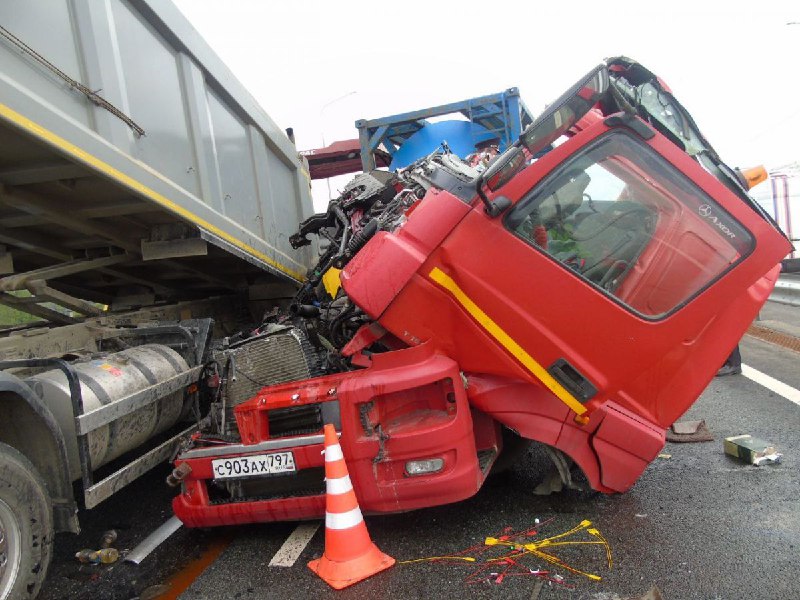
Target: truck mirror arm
(495, 207)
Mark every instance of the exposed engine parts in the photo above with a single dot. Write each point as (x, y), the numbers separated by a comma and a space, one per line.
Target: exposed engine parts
(371, 202)
(306, 339)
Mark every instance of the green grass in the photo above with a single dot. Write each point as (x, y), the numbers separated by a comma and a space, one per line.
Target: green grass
(11, 316)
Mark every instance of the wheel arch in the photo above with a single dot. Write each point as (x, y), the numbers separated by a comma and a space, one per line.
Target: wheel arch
(27, 425)
(534, 413)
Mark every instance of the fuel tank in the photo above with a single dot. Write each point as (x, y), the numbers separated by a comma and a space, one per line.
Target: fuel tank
(105, 380)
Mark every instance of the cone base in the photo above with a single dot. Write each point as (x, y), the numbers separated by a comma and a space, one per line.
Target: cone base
(339, 575)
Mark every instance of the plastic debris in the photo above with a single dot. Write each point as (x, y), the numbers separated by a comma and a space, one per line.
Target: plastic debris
(104, 556)
(108, 538)
(751, 450)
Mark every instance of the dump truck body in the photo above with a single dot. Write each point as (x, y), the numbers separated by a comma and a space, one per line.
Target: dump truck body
(581, 291)
(123, 133)
(147, 202)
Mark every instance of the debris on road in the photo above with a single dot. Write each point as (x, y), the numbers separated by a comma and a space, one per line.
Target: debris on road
(751, 450)
(519, 548)
(108, 538)
(689, 431)
(104, 556)
(154, 540)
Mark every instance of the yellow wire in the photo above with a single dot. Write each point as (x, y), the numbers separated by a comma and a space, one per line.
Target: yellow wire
(603, 540)
(416, 560)
(534, 548)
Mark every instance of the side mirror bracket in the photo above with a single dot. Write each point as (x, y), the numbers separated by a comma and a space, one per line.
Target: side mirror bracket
(497, 206)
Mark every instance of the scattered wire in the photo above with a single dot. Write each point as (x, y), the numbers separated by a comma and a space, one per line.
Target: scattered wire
(519, 549)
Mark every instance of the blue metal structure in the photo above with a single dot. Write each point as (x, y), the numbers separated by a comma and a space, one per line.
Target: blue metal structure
(503, 116)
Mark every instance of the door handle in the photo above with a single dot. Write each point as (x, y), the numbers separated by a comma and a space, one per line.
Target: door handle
(572, 379)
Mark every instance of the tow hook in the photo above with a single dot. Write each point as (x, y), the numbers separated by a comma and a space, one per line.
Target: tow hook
(178, 474)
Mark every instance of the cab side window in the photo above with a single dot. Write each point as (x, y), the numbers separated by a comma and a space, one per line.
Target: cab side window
(622, 219)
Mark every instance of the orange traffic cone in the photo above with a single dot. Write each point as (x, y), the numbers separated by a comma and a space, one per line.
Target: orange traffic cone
(350, 555)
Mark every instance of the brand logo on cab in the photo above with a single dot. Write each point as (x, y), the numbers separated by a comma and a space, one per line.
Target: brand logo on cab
(704, 210)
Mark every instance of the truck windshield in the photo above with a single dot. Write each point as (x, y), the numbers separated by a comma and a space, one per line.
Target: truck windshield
(624, 220)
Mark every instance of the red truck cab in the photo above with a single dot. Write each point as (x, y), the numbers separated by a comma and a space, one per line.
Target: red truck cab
(582, 293)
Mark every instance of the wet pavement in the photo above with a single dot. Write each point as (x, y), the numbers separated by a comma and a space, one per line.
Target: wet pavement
(699, 524)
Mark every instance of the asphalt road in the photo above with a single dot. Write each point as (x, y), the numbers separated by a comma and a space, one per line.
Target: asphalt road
(699, 525)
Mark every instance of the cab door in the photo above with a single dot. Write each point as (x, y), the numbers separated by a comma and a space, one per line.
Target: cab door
(620, 266)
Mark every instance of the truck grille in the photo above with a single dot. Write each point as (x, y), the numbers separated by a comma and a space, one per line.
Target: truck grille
(294, 420)
(307, 482)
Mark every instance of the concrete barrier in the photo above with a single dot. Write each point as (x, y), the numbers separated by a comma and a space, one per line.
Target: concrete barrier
(787, 291)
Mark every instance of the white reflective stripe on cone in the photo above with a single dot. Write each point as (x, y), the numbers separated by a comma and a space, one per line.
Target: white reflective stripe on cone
(339, 485)
(344, 520)
(333, 453)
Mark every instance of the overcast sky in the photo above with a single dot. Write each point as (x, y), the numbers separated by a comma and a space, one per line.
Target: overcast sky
(735, 65)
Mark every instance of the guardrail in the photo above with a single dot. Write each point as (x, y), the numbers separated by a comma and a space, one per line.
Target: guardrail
(787, 291)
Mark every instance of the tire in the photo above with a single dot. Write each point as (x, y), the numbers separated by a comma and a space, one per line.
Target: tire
(26, 527)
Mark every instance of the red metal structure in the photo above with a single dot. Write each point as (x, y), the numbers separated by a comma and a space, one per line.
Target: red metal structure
(340, 158)
(583, 300)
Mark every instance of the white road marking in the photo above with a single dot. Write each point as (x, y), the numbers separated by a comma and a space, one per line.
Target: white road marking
(294, 545)
(772, 384)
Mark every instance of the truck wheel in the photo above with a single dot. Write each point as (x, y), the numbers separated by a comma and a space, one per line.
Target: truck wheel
(26, 527)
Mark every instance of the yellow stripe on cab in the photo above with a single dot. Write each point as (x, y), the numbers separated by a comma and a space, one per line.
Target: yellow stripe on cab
(505, 340)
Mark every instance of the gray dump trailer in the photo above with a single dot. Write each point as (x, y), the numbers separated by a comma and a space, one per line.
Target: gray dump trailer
(146, 203)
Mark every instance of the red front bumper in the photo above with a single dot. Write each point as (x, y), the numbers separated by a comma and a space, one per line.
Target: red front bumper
(409, 405)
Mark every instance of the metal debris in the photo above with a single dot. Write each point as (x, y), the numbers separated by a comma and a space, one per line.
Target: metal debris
(153, 541)
(751, 450)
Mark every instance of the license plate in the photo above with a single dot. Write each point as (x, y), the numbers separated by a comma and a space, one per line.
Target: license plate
(248, 466)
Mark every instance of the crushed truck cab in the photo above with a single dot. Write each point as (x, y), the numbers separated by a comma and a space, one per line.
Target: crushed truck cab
(580, 291)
